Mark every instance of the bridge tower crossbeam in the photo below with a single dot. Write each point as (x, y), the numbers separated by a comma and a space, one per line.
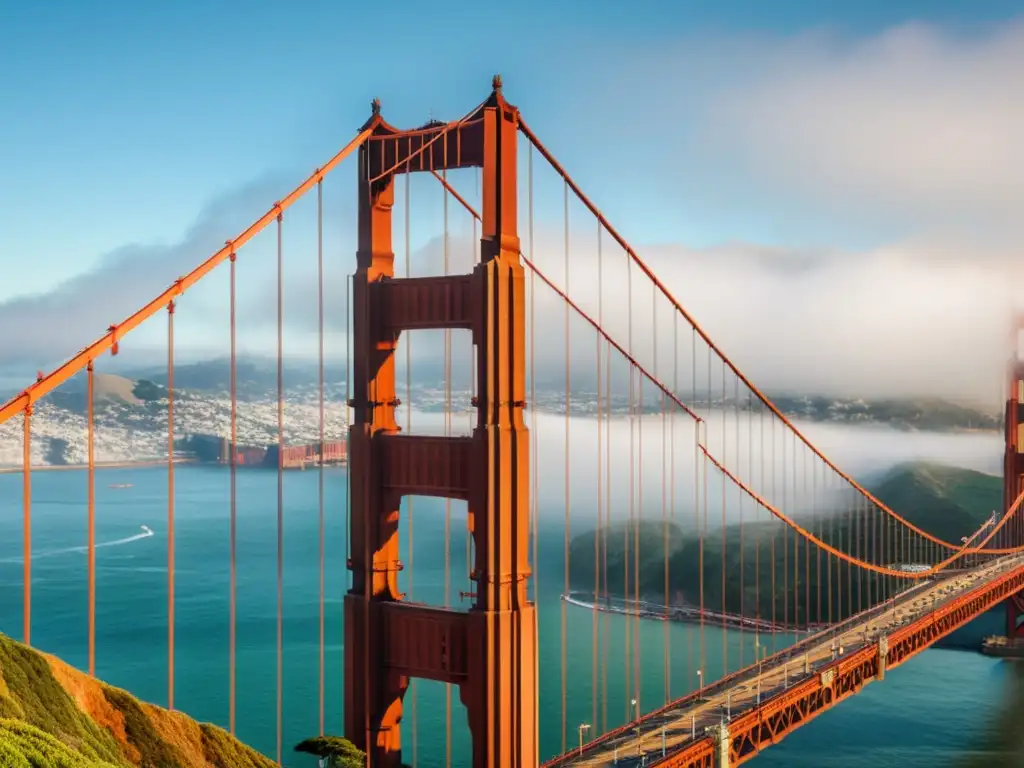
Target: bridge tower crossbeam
(489, 651)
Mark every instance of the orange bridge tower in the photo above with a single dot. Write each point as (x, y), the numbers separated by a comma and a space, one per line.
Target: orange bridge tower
(489, 652)
(1013, 469)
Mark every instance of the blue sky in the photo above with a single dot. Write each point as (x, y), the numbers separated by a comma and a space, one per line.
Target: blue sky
(123, 124)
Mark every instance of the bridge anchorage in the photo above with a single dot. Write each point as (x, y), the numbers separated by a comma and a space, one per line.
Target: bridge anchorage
(489, 651)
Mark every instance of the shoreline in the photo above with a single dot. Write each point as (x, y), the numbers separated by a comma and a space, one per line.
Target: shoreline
(98, 465)
(683, 614)
(18, 470)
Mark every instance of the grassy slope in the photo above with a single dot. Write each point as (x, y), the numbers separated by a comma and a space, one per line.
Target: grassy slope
(946, 501)
(53, 716)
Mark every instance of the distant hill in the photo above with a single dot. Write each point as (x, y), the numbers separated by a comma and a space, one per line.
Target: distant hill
(917, 414)
(131, 409)
(53, 716)
(945, 501)
(107, 388)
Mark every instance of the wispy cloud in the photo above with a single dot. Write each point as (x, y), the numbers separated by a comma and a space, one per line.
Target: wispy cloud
(911, 136)
(53, 325)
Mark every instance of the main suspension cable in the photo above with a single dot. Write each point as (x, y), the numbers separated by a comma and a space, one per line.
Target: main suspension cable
(109, 341)
(712, 347)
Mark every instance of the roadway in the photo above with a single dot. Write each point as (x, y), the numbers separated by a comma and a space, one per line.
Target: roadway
(663, 732)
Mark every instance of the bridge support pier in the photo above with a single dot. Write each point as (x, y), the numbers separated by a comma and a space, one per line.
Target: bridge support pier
(883, 654)
(1014, 615)
(720, 735)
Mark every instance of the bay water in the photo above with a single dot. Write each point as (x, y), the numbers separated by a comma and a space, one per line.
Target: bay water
(940, 709)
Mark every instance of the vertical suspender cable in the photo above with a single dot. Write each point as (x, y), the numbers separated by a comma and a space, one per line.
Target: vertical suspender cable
(599, 528)
(672, 474)
(26, 458)
(785, 540)
(696, 480)
(762, 486)
(408, 425)
(280, 488)
(170, 505)
(534, 442)
(631, 553)
(566, 461)
(637, 520)
(533, 376)
(91, 536)
(736, 408)
(474, 257)
(821, 535)
(233, 511)
(320, 478)
(626, 549)
(771, 551)
(828, 561)
(725, 624)
(704, 531)
(664, 507)
(634, 530)
(607, 521)
(807, 557)
(447, 433)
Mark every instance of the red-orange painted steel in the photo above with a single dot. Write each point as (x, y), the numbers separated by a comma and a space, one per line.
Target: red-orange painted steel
(26, 503)
(109, 341)
(711, 345)
(1013, 466)
(801, 703)
(320, 409)
(91, 515)
(233, 506)
(170, 504)
(490, 651)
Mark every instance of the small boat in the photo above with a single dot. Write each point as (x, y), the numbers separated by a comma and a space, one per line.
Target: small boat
(120, 485)
(1003, 647)
(146, 530)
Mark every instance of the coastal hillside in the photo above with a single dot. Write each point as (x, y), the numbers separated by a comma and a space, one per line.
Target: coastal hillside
(946, 501)
(54, 716)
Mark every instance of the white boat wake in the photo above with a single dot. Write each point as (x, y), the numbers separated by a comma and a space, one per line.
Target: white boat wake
(146, 533)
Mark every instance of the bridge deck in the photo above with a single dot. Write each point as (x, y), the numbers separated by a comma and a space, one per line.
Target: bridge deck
(661, 733)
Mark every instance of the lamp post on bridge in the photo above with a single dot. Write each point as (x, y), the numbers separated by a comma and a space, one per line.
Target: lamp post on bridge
(636, 714)
(583, 727)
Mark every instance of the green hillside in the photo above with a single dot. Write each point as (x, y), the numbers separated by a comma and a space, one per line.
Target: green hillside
(53, 716)
(945, 501)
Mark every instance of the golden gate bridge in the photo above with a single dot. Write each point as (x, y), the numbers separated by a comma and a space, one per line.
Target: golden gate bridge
(783, 538)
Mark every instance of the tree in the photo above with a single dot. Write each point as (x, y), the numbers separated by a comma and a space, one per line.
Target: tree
(339, 752)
